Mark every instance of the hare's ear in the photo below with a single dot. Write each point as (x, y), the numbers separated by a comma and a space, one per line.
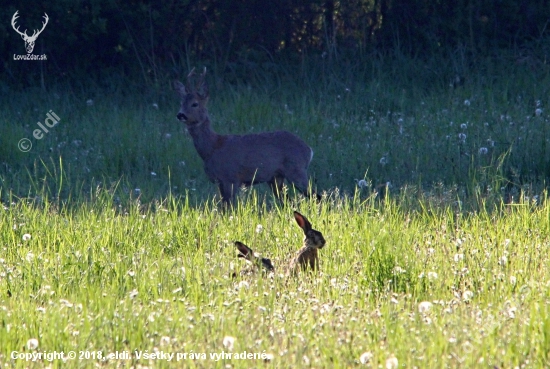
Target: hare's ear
(302, 221)
(267, 264)
(245, 251)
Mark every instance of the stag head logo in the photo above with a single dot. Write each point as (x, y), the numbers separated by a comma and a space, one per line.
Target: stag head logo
(29, 40)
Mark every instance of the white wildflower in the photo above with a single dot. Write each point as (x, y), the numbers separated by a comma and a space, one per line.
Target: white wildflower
(26, 237)
(133, 294)
(467, 102)
(362, 183)
(463, 126)
(483, 151)
(259, 228)
(538, 112)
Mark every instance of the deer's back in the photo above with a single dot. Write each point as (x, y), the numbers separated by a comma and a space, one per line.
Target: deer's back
(258, 156)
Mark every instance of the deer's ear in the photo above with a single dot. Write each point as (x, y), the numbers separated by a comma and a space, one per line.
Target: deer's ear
(203, 90)
(180, 88)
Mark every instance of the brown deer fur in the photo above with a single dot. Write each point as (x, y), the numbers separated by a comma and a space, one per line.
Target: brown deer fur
(235, 160)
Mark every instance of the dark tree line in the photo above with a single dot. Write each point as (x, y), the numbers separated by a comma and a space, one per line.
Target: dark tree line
(100, 35)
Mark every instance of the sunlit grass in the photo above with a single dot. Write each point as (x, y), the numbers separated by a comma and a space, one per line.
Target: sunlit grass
(426, 287)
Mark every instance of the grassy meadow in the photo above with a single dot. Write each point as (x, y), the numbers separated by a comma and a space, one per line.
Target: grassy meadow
(113, 242)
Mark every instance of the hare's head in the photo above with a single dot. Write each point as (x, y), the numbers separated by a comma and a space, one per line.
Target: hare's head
(246, 252)
(314, 239)
(193, 100)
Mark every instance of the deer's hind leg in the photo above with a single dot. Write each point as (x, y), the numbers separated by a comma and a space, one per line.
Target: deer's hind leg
(301, 182)
(227, 190)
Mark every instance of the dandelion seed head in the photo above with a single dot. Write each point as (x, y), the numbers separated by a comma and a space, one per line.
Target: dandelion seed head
(133, 294)
(392, 362)
(259, 228)
(467, 295)
(538, 112)
(467, 102)
(26, 237)
(463, 126)
(366, 357)
(32, 344)
(483, 151)
(432, 276)
(89, 102)
(424, 307)
(228, 342)
(362, 183)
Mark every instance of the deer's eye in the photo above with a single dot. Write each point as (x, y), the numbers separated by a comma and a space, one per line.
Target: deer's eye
(195, 104)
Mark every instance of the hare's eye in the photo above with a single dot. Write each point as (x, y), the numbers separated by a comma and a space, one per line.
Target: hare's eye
(195, 104)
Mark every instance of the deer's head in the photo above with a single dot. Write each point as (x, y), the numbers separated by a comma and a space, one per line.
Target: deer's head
(29, 40)
(193, 100)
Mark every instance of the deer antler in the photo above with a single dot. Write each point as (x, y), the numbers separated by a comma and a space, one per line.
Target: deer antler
(189, 76)
(35, 34)
(24, 34)
(13, 19)
(201, 86)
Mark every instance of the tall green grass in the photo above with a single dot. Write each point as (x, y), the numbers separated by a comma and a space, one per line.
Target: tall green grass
(388, 118)
(112, 240)
(431, 287)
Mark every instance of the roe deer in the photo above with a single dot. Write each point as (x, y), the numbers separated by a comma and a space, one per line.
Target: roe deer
(235, 160)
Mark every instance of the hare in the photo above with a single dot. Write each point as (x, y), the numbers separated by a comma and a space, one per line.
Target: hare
(257, 261)
(307, 256)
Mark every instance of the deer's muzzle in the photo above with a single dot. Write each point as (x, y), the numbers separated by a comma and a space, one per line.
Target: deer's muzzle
(182, 117)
